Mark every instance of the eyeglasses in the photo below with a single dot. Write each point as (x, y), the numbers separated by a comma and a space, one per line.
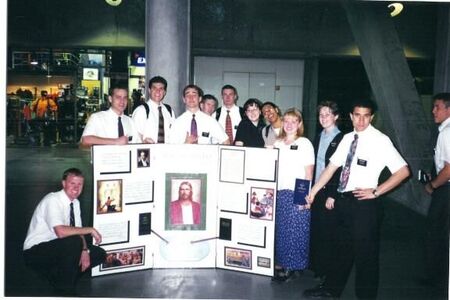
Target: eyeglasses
(252, 110)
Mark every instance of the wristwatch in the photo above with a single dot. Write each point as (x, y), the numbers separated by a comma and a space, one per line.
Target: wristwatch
(375, 193)
(87, 250)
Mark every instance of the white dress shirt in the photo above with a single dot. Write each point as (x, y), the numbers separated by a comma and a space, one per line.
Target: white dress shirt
(442, 150)
(234, 115)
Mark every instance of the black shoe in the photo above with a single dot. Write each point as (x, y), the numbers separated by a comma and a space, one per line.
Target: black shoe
(318, 293)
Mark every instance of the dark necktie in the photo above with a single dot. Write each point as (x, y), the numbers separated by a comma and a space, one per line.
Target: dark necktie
(193, 126)
(120, 127)
(72, 215)
(228, 127)
(160, 126)
(345, 174)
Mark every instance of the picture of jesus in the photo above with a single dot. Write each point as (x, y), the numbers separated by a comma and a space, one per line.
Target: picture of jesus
(184, 210)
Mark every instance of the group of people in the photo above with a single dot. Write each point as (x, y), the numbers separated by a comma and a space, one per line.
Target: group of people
(337, 228)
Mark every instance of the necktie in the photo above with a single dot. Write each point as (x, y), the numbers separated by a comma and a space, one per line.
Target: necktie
(228, 128)
(120, 127)
(72, 215)
(193, 126)
(160, 126)
(345, 174)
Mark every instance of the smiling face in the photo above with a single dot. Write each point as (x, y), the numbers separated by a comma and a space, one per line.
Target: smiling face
(192, 99)
(208, 106)
(252, 112)
(270, 114)
(440, 112)
(73, 186)
(119, 100)
(291, 124)
(361, 118)
(326, 118)
(157, 91)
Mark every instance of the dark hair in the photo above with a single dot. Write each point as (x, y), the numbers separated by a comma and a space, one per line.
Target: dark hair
(251, 102)
(72, 171)
(366, 104)
(117, 86)
(229, 87)
(44, 93)
(274, 106)
(157, 79)
(331, 105)
(193, 86)
(444, 97)
(209, 97)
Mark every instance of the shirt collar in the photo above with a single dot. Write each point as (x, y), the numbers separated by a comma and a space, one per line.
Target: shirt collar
(444, 124)
(110, 111)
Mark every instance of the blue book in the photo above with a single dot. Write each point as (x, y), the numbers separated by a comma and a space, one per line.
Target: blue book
(302, 187)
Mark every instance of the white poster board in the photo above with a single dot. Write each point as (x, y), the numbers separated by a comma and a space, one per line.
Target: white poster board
(230, 223)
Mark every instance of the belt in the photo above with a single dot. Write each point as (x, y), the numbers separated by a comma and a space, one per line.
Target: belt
(347, 194)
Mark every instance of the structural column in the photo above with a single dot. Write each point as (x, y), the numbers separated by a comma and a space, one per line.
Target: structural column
(401, 110)
(167, 46)
(442, 60)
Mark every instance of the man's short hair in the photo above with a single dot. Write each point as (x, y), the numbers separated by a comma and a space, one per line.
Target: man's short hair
(157, 79)
(210, 97)
(229, 87)
(72, 172)
(444, 97)
(334, 108)
(366, 103)
(252, 102)
(193, 86)
(117, 86)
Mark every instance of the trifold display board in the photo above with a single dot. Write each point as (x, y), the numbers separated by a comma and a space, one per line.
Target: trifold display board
(229, 223)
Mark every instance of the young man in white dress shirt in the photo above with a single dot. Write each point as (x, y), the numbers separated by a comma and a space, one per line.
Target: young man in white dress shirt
(206, 131)
(229, 107)
(111, 127)
(363, 154)
(147, 117)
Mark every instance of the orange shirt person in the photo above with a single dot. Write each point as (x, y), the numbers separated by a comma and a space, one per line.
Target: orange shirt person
(41, 105)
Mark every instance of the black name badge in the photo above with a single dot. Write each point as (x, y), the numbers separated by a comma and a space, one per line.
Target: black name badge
(362, 162)
(205, 134)
(294, 147)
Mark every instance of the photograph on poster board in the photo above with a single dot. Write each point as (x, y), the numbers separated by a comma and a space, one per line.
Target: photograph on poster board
(109, 196)
(185, 201)
(124, 258)
(263, 262)
(114, 232)
(143, 158)
(261, 203)
(232, 165)
(239, 258)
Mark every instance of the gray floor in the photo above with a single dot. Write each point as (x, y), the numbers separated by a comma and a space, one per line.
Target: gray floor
(33, 172)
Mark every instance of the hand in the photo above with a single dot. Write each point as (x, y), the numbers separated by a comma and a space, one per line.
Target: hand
(303, 207)
(364, 194)
(123, 140)
(97, 236)
(85, 261)
(428, 188)
(148, 141)
(309, 198)
(190, 139)
(329, 204)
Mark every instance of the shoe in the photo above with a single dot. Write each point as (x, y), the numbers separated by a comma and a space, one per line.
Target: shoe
(318, 293)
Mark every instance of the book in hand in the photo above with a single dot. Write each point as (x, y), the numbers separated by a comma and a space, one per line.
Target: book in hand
(302, 187)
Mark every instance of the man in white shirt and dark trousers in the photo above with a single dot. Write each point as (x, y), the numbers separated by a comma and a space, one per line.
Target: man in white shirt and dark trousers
(113, 126)
(363, 154)
(56, 245)
(229, 115)
(194, 126)
(437, 231)
(154, 118)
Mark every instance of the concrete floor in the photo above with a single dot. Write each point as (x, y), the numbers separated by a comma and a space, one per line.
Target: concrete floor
(33, 172)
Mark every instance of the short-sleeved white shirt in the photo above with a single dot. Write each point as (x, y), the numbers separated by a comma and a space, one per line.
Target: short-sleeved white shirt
(293, 159)
(53, 210)
(148, 127)
(442, 150)
(235, 116)
(104, 124)
(209, 130)
(374, 152)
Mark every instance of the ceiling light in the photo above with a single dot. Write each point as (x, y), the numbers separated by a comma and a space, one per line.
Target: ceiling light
(114, 2)
(395, 8)
(34, 62)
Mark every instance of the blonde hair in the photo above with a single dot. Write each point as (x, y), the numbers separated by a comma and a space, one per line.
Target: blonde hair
(293, 112)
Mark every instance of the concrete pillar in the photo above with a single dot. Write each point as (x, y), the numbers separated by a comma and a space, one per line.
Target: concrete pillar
(167, 46)
(400, 107)
(310, 94)
(442, 59)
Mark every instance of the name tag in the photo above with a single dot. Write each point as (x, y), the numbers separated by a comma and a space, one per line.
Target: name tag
(294, 147)
(235, 126)
(205, 134)
(362, 162)
(333, 144)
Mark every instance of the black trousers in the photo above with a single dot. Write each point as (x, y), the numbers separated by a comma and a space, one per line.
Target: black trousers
(358, 243)
(323, 236)
(58, 260)
(437, 235)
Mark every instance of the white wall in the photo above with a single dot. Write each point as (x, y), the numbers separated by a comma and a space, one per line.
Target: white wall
(276, 80)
